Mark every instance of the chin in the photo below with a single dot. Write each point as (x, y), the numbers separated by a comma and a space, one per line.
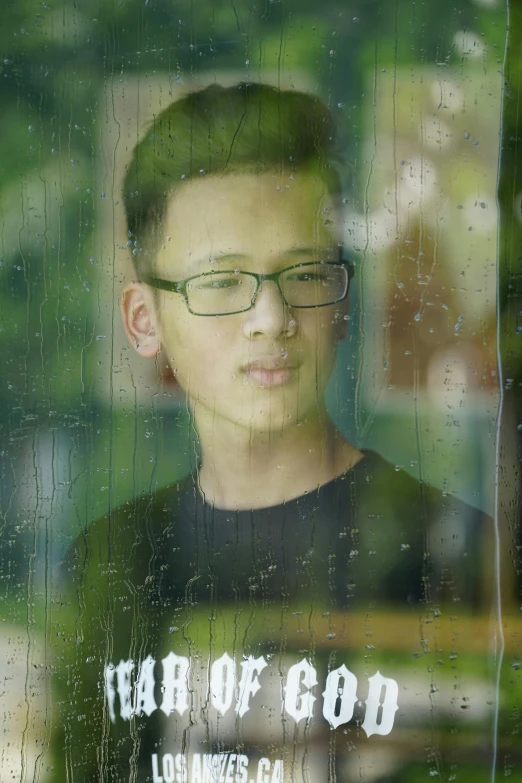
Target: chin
(272, 420)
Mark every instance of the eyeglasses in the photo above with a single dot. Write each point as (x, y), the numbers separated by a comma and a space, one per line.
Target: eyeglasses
(314, 284)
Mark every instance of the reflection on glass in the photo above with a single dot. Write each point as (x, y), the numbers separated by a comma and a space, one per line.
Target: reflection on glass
(251, 529)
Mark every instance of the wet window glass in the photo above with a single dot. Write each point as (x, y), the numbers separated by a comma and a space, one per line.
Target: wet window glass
(260, 410)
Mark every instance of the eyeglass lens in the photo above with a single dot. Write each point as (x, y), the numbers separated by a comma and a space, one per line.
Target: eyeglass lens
(310, 285)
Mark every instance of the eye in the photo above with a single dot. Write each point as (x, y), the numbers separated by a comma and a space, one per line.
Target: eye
(219, 283)
(308, 276)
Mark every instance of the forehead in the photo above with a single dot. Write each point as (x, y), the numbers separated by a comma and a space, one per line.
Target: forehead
(261, 217)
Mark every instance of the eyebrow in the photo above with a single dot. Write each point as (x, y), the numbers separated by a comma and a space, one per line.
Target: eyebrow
(219, 259)
(234, 257)
(309, 251)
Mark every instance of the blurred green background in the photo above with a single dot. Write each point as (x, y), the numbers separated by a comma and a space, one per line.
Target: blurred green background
(56, 62)
(66, 453)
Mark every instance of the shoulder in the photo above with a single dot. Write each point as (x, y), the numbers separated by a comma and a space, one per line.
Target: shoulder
(119, 572)
(108, 597)
(423, 540)
(126, 537)
(396, 506)
(391, 486)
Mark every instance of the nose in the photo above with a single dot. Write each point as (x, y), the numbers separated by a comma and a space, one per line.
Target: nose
(269, 316)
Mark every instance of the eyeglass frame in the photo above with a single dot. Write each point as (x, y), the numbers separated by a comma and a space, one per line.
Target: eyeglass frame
(180, 286)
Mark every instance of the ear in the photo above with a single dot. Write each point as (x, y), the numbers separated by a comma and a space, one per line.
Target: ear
(139, 319)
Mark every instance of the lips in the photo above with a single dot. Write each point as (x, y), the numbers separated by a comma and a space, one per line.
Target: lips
(269, 371)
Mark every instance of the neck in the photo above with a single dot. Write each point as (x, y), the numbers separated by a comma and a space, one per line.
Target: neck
(241, 469)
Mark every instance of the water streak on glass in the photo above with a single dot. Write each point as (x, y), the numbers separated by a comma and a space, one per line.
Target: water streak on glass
(260, 410)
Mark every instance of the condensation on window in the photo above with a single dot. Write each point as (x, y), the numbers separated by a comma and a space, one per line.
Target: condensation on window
(260, 322)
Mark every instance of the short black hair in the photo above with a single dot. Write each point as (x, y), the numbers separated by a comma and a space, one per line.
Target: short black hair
(219, 130)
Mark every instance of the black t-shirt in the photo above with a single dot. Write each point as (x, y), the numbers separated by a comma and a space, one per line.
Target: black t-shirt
(331, 638)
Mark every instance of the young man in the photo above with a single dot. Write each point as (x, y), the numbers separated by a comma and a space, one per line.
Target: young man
(281, 614)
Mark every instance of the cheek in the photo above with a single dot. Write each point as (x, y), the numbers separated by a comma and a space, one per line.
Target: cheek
(323, 335)
(199, 350)
(323, 340)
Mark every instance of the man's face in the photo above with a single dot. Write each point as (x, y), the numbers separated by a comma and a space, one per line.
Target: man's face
(266, 368)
